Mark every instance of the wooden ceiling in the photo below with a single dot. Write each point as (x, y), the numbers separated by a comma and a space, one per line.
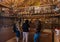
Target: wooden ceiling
(25, 3)
(2, 6)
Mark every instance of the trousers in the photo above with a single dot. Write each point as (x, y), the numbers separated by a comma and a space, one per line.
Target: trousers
(25, 36)
(36, 37)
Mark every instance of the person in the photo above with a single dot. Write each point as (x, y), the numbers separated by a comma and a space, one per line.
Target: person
(25, 28)
(16, 30)
(38, 30)
(14, 27)
(17, 34)
(57, 34)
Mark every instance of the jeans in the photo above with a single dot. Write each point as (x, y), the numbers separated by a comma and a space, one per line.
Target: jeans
(36, 37)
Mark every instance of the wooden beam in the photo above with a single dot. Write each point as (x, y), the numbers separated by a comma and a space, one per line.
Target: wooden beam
(3, 6)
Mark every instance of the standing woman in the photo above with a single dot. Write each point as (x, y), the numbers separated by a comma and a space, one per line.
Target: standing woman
(38, 31)
(25, 28)
(16, 30)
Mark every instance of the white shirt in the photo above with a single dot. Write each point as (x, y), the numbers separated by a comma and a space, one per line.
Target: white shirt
(57, 31)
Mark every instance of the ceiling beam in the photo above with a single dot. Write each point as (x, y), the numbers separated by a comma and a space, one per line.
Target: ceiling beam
(3, 6)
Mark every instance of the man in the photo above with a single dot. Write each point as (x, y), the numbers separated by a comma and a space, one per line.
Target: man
(38, 31)
(25, 28)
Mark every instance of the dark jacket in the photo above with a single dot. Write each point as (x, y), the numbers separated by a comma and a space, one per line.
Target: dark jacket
(25, 27)
(17, 33)
(38, 28)
(15, 29)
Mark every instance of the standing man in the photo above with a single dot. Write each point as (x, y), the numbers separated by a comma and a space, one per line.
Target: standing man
(25, 28)
(38, 31)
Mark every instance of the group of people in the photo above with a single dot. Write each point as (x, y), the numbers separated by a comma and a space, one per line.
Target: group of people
(25, 29)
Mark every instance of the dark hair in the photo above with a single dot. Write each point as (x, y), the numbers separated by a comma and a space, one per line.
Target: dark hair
(26, 21)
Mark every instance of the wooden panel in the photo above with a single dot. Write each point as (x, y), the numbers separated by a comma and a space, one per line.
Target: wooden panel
(5, 29)
(46, 37)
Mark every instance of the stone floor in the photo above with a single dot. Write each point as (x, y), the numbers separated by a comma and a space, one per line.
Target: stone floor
(44, 38)
(11, 40)
(5, 36)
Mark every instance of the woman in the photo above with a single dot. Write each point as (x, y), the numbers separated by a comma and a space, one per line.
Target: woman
(16, 30)
(25, 28)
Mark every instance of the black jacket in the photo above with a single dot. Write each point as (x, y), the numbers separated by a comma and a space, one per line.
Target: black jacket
(25, 27)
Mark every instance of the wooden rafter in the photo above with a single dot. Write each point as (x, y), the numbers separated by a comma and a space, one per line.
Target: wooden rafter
(27, 2)
(3, 6)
